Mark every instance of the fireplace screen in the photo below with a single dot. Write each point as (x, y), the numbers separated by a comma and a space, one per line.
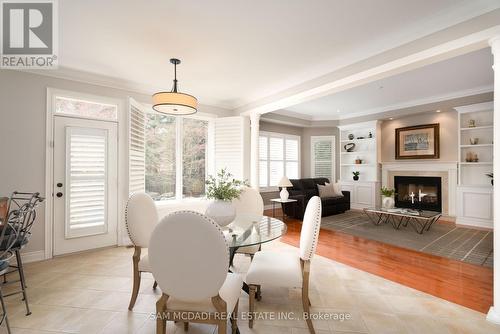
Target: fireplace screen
(418, 192)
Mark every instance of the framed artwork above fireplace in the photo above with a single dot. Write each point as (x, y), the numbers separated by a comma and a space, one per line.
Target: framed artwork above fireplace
(418, 142)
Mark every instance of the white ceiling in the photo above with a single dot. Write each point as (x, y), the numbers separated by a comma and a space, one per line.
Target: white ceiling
(464, 75)
(238, 51)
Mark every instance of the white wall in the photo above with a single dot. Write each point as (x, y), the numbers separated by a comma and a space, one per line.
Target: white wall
(23, 100)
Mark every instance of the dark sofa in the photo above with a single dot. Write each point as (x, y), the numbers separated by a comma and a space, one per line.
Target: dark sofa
(304, 189)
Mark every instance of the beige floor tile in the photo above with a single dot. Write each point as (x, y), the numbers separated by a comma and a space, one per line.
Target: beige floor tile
(90, 292)
(382, 323)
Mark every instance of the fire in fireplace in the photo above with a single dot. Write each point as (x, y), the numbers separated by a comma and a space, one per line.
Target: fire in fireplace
(418, 192)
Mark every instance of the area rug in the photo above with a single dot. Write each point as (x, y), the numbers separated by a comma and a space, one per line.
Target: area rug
(443, 239)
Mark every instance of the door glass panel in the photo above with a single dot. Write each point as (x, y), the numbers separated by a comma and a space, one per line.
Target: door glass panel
(87, 180)
(87, 109)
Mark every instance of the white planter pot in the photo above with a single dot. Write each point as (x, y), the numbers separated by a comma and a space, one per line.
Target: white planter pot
(387, 202)
(222, 212)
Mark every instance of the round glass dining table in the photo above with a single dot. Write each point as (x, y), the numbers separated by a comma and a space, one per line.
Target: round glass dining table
(250, 230)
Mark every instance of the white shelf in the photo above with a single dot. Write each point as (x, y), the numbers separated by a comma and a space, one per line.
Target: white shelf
(350, 165)
(357, 140)
(480, 163)
(478, 128)
(477, 145)
(356, 152)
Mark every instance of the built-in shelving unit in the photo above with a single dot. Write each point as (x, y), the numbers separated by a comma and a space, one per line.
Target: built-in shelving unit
(366, 137)
(476, 124)
(475, 139)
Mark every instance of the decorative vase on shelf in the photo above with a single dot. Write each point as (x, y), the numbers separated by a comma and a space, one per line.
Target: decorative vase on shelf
(350, 136)
(355, 178)
(222, 212)
(388, 202)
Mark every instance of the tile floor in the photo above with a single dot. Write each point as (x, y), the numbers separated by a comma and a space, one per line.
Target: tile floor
(89, 293)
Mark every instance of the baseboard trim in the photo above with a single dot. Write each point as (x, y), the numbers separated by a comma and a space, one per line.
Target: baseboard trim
(36, 256)
(470, 222)
(493, 316)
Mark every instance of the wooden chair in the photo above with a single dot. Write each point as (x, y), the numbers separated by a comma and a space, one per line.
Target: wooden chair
(189, 258)
(249, 202)
(141, 218)
(288, 269)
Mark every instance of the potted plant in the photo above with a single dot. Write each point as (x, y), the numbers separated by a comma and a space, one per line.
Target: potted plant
(490, 175)
(222, 190)
(355, 176)
(387, 197)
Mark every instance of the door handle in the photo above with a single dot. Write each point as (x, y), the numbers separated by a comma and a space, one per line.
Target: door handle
(59, 194)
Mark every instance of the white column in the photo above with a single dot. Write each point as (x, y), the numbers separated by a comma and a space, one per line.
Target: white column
(254, 150)
(494, 313)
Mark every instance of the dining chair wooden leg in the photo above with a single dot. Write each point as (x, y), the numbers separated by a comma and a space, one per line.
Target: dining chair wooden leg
(161, 320)
(234, 319)
(137, 277)
(155, 285)
(221, 307)
(305, 294)
(258, 294)
(251, 303)
(186, 326)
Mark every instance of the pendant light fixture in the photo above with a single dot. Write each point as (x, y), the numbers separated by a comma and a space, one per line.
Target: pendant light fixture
(174, 102)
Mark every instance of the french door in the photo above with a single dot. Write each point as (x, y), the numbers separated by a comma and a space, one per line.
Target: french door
(85, 184)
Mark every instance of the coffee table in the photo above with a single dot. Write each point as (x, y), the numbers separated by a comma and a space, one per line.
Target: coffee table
(420, 220)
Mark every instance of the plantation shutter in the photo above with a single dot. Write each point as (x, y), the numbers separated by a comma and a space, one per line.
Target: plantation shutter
(323, 157)
(232, 146)
(137, 168)
(87, 174)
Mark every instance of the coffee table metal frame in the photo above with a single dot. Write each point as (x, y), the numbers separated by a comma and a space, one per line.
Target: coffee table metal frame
(418, 223)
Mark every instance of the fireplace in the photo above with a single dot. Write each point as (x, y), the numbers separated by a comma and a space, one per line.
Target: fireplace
(418, 192)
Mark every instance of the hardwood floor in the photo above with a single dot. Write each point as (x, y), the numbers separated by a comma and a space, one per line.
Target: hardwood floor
(461, 283)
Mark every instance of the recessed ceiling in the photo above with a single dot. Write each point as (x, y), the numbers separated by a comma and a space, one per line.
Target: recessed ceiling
(464, 75)
(237, 51)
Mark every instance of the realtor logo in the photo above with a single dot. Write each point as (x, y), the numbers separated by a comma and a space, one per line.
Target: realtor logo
(28, 34)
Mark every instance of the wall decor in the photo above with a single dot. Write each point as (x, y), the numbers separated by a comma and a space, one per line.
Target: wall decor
(355, 175)
(418, 142)
(472, 123)
(474, 141)
(349, 147)
(351, 136)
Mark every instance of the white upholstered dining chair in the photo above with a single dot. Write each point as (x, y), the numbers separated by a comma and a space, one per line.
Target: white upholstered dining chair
(249, 202)
(189, 259)
(141, 218)
(288, 269)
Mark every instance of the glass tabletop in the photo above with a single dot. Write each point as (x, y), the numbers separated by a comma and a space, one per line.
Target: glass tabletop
(249, 230)
(405, 212)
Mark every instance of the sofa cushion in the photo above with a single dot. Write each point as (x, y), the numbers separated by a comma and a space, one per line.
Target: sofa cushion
(326, 191)
(332, 200)
(308, 184)
(297, 184)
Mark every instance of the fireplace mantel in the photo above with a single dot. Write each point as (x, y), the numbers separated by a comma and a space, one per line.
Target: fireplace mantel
(427, 168)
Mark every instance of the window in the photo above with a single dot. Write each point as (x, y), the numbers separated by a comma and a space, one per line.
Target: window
(160, 156)
(278, 156)
(194, 154)
(87, 109)
(168, 141)
(323, 157)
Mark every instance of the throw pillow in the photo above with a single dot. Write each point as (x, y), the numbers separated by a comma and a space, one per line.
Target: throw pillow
(326, 191)
(337, 188)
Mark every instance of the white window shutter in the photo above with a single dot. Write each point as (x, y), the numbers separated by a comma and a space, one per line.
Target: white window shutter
(323, 157)
(231, 146)
(137, 169)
